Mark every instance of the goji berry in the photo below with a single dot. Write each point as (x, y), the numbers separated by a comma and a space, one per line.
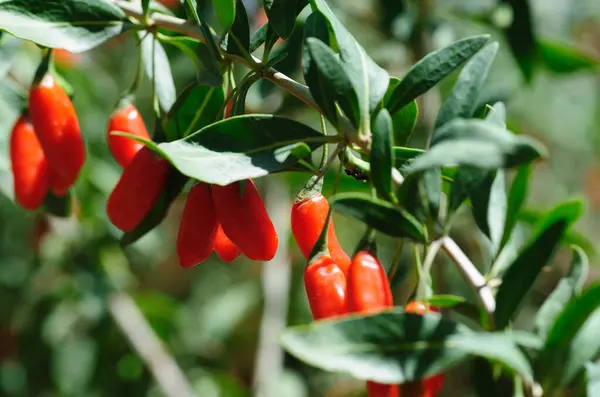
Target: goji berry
(325, 285)
(126, 119)
(368, 286)
(224, 247)
(245, 220)
(29, 165)
(138, 190)
(375, 389)
(57, 127)
(198, 227)
(59, 184)
(307, 219)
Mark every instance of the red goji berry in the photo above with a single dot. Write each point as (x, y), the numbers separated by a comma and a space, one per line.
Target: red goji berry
(307, 219)
(198, 227)
(126, 119)
(29, 165)
(368, 286)
(245, 220)
(375, 389)
(137, 191)
(224, 247)
(57, 127)
(325, 285)
(59, 184)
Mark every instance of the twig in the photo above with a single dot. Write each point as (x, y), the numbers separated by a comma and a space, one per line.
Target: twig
(276, 279)
(472, 276)
(164, 369)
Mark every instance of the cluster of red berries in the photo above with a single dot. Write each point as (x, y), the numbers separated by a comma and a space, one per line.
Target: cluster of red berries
(46, 148)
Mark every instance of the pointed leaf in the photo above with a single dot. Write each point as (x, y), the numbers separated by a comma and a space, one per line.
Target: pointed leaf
(198, 52)
(379, 214)
(403, 155)
(463, 99)
(73, 25)
(488, 202)
(238, 38)
(333, 80)
(225, 10)
(477, 143)
(158, 70)
(523, 271)
(259, 37)
(521, 37)
(564, 58)
(568, 287)
(382, 155)
(397, 347)
(241, 147)
(432, 69)
(420, 195)
(282, 15)
(516, 199)
(404, 119)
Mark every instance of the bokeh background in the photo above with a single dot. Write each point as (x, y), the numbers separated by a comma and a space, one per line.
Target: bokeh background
(79, 316)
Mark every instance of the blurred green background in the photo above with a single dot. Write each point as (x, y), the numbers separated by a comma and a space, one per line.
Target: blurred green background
(70, 297)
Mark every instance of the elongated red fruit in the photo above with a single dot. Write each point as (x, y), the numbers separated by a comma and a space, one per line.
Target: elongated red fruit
(57, 127)
(29, 165)
(245, 220)
(224, 247)
(325, 285)
(59, 184)
(138, 190)
(198, 227)
(368, 286)
(382, 390)
(126, 119)
(308, 218)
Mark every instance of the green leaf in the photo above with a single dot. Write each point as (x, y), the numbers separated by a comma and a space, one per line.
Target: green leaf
(259, 37)
(563, 58)
(397, 347)
(584, 347)
(568, 287)
(380, 215)
(404, 119)
(334, 83)
(523, 271)
(484, 380)
(444, 301)
(420, 195)
(196, 107)
(282, 16)
(370, 80)
(403, 155)
(74, 25)
(9, 46)
(516, 199)
(432, 69)
(241, 147)
(477, 143)
(467, 180)
(208, 68)
(225, 10)
(463, 99)
(175, 183)
(158, 69)
(382, 155)
(521, 37)
(489, 207)
(238, 38)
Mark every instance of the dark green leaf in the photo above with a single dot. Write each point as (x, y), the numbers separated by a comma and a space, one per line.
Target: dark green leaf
(282, 16)
(74, 25)
(145, 6)
(334, 83)
(462, 101)
(396, 347)
(584, 347)
(466, 181)
(241, 147)
(444, 301)
(520, 36)
(259, 37)
(432, 69)
(402, 155)
(516, 199)
(379, 214)
(489, 207)
(211, 46)
(238, 38)
(382, 155)
(239, 104)
(371, 81)
(196, 107)
(420, 194)
(563, 58)
(477, 143)
(207, 67)
(404, 119)
(225, 10)
(568, 287)
(523, 271)
(484, 380)
(158, 69)
(175, 183)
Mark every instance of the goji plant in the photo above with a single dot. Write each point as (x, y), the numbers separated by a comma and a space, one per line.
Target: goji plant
(208, 146)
